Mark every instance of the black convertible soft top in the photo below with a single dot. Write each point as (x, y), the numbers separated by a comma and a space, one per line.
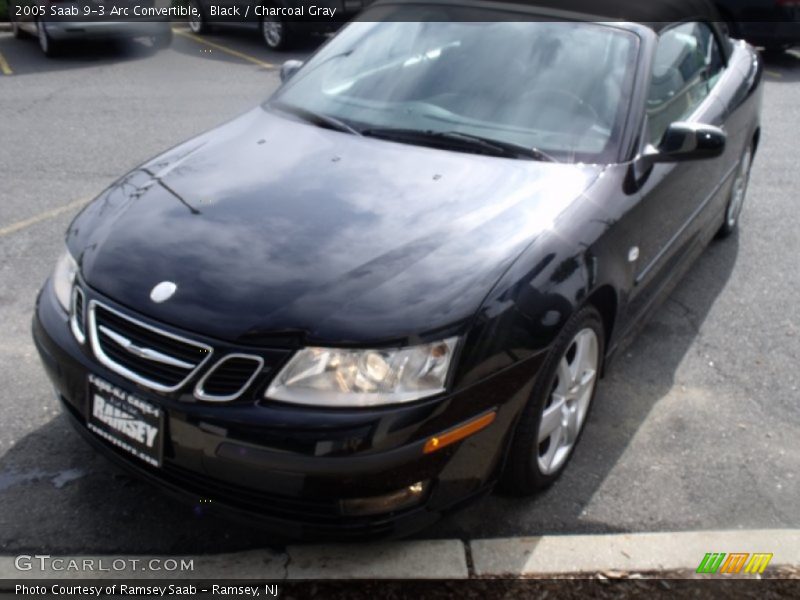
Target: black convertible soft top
(654, 14)
(651, 13)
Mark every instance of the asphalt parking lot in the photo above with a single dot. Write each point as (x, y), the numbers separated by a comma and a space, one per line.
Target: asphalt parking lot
(697, 425)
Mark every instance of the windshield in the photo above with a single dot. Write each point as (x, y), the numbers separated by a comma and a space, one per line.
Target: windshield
(559, 87)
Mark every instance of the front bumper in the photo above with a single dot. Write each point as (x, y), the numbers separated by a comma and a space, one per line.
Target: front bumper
(105, 30)
(289, 468)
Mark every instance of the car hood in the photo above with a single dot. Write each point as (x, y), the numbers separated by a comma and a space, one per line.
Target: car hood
(270, 227)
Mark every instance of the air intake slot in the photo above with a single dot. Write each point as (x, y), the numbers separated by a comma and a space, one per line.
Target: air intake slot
(229, 378)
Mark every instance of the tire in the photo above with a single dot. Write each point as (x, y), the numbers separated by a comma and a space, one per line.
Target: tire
(198, 25)
(568, 379)
(48, 46)
(275, 32)
(733, 209)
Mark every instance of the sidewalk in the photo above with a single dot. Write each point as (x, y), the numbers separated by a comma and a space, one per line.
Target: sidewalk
(453, 559)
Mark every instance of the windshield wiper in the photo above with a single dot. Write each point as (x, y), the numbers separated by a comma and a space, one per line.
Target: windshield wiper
(319, 119)
(458, 139)
(519, 150)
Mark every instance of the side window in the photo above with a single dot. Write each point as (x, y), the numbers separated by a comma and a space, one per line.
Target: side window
(715, 64)
(687, 65)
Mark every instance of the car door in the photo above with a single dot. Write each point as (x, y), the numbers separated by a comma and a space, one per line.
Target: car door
(675, 197)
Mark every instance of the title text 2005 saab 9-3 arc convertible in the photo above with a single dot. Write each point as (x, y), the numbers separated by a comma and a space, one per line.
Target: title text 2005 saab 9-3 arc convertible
(395, 283)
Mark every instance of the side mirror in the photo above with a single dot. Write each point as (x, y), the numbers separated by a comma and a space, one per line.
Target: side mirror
(289, 68)
(687, 141)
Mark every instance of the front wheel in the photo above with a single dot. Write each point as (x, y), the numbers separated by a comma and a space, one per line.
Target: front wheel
(198, 21)
(738, 193)
(553, 419)
(49, 47)
(275, 32)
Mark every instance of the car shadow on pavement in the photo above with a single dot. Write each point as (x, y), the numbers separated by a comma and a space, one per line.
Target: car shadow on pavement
(60, 496)
(641, 376)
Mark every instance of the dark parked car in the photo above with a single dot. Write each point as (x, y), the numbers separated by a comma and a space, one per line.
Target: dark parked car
(399, 280)
(773, 24)
(47, 23)
(281, 22)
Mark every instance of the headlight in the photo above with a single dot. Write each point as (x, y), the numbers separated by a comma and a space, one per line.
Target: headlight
(338, 377)
(63, 278)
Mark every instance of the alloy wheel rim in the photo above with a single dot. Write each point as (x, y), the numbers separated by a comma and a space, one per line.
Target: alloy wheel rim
(566, 408)
(739, 190)
(273, 32)
(195, 21)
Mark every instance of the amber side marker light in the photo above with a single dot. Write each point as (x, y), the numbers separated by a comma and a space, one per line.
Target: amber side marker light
(459, 433)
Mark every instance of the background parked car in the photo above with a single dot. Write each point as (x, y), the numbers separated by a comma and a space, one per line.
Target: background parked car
(773, 24)
(52, 33)
(278, 32)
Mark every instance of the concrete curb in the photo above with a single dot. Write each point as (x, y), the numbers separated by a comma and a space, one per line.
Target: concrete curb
(434, 559)
(448, 559)
(626, 553)
(5, 26)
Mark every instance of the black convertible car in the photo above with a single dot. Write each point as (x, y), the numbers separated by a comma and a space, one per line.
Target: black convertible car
(398, 281)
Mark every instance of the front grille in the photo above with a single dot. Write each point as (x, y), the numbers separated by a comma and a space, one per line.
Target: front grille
(229, 378)
(144, 354)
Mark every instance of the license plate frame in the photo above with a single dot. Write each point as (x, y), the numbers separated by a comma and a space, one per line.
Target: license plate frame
(126, 420)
